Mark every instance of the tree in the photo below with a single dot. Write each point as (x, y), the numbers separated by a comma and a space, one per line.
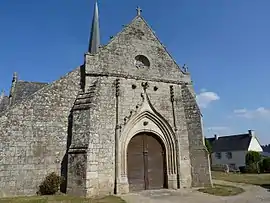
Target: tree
(253, 157)
(209, 149)
(208, 146)
(266, 165)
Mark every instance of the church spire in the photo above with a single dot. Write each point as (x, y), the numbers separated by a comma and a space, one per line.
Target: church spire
(95, 35)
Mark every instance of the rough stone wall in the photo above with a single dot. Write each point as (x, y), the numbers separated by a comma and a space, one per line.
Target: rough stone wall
(183, 139)
(33, 137)
(117, 60)
(160, 97)
(101, 163)
(23, 89)
(3, 103)
(201, 174)
(100, 170)
(118, 57)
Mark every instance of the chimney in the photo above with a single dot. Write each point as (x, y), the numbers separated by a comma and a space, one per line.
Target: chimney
(216, 137)
(251, 133)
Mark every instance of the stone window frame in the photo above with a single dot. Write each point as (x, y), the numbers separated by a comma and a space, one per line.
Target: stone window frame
(143, 60)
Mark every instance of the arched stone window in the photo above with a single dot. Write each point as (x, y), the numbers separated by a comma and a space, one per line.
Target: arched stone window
(142, 62)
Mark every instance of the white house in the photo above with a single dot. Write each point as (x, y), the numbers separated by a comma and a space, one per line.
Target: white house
(232, 149)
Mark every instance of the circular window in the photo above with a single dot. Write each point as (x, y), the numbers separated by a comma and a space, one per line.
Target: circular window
(142, 61)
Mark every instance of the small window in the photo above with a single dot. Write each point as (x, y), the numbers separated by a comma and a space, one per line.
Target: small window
(142, 62)
(218, 155)
(229, 155)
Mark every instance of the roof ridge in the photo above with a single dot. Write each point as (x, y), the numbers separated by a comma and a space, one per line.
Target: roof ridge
(233, 135)
(38, 91)
(33, 82)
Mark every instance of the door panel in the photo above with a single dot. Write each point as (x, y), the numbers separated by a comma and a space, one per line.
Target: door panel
(155, 163)
(135, 163)
(146, 163)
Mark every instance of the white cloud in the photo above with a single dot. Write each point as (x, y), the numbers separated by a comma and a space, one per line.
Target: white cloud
(260, 112)
(219, 130)
(203, 90)
(205, 98)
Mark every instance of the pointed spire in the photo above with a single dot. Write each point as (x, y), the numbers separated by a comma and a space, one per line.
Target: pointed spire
(95, 34)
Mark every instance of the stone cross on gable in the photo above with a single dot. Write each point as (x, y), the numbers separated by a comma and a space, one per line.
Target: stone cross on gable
(139, 11)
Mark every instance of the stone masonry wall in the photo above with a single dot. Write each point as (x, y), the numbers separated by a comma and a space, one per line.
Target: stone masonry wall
(100, 168)
(201, 174)
(160, 97)
(33, 136)
(183, 139)
(117, 60)
(118, 56)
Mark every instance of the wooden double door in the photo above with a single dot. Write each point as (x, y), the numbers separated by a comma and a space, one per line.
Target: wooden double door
(146, 163)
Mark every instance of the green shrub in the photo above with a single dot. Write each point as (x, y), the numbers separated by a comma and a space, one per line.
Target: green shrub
(242, 169)
(208, 146)
(50, 185)
(260, 165)
(253, 157)
(266, 165)
(252, 168)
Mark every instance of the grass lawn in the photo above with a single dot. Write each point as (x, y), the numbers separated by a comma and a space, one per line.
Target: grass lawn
(222, 190)
(254, 179)
(62, 199)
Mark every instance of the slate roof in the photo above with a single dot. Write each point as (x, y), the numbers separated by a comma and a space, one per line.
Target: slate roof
(4, 103)
(230, 143)
(24, 89)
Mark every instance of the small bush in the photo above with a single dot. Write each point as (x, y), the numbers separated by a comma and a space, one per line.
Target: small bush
(242, 169)
(252, 168)
(266, 165)
(253, 157)
(208, 146)
(50, 185)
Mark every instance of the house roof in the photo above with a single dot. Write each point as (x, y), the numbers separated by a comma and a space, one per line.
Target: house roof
(230, 143)
(266, 154)
(24, 89)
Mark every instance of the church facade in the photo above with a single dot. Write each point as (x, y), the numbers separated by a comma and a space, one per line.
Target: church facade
(126, 120)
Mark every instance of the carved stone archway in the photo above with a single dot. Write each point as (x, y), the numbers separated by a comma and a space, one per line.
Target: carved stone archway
(147, 120)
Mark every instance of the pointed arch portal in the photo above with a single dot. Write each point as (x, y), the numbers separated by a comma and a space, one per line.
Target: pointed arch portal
(146, 162)
(147, 151)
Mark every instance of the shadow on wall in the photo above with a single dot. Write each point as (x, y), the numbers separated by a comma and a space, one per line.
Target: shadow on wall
(64, 163)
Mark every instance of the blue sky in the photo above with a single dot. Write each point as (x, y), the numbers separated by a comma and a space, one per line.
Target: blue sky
(224, 42)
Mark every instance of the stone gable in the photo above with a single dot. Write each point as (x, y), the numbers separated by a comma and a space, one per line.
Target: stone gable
(119, 55)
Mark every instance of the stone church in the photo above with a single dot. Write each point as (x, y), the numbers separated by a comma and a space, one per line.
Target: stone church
(126, 120)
